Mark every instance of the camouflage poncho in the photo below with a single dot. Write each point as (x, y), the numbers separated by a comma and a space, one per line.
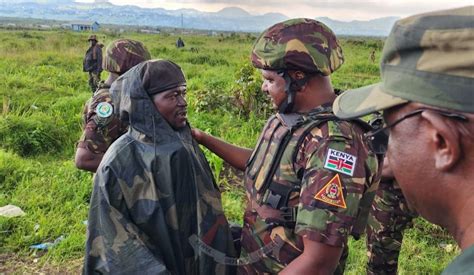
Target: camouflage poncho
(153, 191)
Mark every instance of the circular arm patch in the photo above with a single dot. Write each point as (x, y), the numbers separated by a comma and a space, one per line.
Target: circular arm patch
(104, 109)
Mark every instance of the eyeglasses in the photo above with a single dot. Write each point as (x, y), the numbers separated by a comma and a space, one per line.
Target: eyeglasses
(378, 139)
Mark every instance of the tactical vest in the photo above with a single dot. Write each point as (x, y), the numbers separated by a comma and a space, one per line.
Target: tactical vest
(271, 176)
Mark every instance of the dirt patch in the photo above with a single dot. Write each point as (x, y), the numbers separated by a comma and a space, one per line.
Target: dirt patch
(11, 263)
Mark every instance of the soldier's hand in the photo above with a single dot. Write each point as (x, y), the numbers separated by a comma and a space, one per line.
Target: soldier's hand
(198, 135)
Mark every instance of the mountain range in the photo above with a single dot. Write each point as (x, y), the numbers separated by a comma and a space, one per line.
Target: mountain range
(227, 19)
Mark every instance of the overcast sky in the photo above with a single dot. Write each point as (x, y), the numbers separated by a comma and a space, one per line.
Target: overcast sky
(344, 10)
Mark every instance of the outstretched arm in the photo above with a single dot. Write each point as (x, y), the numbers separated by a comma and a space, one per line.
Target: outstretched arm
(234, 155)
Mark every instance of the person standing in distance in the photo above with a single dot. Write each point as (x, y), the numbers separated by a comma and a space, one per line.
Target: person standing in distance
(93, 62)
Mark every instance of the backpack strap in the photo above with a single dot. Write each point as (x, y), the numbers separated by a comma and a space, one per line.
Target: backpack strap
(277, 195)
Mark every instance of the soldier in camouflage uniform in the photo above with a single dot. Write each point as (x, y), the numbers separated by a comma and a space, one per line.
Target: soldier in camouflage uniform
(92, 62)
(154, 193)
(389, 216)
(101, 126)
(311, 178)
(427, 98)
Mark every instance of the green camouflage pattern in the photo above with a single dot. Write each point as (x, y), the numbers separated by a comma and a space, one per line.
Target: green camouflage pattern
(123, 54)
(98, 133)
(389, 217)
(302, 165)
(298, 44)
(427, 58)
(153, 192)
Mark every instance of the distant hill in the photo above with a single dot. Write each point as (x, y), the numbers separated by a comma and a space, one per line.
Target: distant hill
(375, 27)
(227, 19)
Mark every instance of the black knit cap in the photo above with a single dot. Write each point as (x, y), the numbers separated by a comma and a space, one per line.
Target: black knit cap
(161, 75)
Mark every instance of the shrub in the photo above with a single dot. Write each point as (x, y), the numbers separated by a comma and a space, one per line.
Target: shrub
(247, 93)
(30, 135)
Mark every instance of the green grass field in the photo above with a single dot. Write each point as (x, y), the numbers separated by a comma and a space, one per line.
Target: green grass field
(43, 90)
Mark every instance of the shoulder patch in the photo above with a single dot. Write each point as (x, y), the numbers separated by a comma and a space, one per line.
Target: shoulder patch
(340, 162)
(332, 193)
(104, 109)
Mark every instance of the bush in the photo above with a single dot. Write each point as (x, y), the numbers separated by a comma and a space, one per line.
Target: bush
(30, 135)
(211, 100)
(247, 93)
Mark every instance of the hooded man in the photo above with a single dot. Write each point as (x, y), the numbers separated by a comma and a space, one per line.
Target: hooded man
(154, 197)
(427, 99)
(93, 62)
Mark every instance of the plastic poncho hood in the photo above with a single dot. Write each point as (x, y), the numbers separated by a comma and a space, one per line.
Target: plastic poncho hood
(153, 193)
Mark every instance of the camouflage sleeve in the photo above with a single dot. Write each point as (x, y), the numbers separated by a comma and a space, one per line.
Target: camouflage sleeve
(101, 127)
(389, 216)
(334, 162)
(115, 245)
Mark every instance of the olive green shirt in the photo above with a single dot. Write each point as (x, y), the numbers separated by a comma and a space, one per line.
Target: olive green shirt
(463, 264)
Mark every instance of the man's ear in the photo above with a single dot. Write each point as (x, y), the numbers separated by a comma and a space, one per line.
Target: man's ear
(445, 141)
(297, 75)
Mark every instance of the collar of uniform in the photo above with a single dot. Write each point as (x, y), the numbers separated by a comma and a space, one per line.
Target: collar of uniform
(325, 109)
(296, 119)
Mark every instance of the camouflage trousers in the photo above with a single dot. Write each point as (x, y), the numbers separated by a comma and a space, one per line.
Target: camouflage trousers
(94, 80)
(389, 217)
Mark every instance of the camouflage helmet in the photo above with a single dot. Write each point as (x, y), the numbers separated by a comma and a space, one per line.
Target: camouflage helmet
(123, 54)
(298, 44)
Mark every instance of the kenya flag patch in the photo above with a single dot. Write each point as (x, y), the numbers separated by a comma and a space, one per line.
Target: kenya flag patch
(340, 162)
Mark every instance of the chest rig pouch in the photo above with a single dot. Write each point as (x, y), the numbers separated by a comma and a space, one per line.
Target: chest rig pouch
(271, 178)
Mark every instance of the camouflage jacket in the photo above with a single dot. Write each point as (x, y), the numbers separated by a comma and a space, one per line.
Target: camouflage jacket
(101, 125)
(93, 60)
(314, 191)
(154, 199)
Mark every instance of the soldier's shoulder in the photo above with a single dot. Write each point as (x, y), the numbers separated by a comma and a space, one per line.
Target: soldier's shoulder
(101, 95)
(335, 129)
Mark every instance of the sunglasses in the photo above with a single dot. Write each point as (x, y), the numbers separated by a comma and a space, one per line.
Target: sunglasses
(378, 139)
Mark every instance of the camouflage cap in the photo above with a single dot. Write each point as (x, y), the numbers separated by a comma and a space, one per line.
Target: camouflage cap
(92, 37)
(427, 58)
(298, 44)
(123, 54)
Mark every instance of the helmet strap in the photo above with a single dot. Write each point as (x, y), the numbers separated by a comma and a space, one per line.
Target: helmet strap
(291, 87)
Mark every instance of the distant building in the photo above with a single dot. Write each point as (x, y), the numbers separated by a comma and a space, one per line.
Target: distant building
(44, 27)
(85, 26)
(149, 31)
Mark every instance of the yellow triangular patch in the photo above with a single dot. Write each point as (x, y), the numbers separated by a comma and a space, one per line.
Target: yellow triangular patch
(332, 193)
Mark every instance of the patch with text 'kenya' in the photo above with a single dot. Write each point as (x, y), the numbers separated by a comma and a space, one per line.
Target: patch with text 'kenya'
(340, 162)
